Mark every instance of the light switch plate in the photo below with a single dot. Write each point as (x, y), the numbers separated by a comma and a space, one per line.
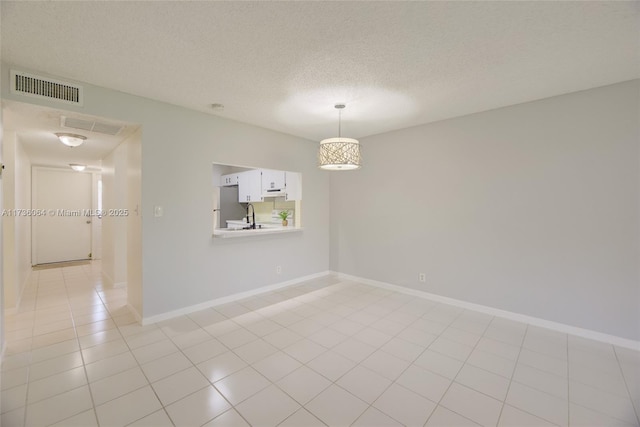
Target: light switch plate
(157, 211)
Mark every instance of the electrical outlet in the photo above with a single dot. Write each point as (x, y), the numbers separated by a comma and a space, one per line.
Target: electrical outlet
(278, 269)
(422, 277)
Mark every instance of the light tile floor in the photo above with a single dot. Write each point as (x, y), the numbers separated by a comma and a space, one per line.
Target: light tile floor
(326, 352)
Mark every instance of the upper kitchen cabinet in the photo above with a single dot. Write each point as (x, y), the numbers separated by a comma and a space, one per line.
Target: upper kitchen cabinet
(250, 186)
(256, 185)
(293, 184)
(285, 184)
(273, 182)
(230, 179)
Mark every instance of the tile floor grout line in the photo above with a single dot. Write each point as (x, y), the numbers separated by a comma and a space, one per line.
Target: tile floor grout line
(453, 380)
(427, 348)
(84, 365)
(537, 389)
(139, 366)
(334, 382)
(274, 383)
(624, 378)
(26, 397)
(28, 384)
(180, 350)
(194, 365)
(370, 405)
(513, 372)
(94, 406)
(568, 386)
(380, 306)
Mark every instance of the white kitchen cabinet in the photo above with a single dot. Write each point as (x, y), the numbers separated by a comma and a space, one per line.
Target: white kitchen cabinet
(293, 182)
(272, 180)
(230, 179)
(250, 186)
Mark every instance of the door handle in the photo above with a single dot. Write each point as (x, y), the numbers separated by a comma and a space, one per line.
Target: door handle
(88, 221)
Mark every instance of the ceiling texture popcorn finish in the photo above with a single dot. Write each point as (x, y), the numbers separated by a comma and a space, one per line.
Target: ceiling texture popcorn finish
(282, 65)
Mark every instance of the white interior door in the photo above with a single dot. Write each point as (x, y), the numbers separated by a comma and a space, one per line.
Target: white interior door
(64, 233)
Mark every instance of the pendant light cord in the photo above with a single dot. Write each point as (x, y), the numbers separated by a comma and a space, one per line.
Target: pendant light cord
(339, 107)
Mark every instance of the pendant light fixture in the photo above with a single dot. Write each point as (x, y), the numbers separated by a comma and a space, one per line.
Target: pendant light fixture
(339, 153)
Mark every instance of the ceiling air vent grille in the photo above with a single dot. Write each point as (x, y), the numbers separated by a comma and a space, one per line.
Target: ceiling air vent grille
(44, 87)
(90, 125)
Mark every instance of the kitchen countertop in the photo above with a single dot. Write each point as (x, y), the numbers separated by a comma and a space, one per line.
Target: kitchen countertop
(239, 223)
(238, 232)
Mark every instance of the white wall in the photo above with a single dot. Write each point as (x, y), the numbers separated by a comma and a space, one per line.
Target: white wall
(135, 290)
(532, 208)
(2, 342)
(114, 228)
(96, 224)
(17, 229)
(22, 224)
(181, 263)
(11, 286)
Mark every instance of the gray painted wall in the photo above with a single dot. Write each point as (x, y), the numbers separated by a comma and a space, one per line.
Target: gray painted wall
(2, 343)
(16, 180)
(181, 263)
(114, 229)
(532, 208)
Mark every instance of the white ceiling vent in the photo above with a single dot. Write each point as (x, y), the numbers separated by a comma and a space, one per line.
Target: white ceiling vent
(45, 87)
(90, 125)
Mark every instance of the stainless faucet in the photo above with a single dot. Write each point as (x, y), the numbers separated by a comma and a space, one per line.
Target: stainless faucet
(252, 224)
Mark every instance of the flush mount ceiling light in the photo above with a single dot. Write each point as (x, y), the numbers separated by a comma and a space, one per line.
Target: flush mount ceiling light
(339, 153)
(71, 139)
(77, 167)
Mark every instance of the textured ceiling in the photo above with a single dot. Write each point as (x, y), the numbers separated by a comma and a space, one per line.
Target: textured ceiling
(283, 65)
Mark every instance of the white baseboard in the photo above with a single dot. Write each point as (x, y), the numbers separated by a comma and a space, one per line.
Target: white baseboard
(107, 279)
(135, 313)
(13, 310)
(109, 282)
(535, 321)
(219, 301)
(23, 286)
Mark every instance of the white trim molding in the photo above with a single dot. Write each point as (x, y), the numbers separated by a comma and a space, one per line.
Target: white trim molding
(223, 300)
(110, 283)
(535, 321)
(135, 313)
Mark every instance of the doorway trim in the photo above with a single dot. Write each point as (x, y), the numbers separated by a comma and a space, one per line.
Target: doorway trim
(34, 195)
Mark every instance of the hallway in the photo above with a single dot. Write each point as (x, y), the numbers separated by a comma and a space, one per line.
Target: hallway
(62, 311)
